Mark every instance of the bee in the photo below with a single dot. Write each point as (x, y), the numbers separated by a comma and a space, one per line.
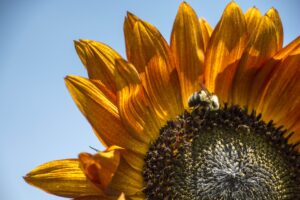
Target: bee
(205, 99)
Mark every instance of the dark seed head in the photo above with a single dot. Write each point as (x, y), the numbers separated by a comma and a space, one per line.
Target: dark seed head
(224, 154)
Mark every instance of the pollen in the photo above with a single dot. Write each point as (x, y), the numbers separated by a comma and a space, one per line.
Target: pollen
(221, 154)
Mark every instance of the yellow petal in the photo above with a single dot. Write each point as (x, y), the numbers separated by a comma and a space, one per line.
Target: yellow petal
(188, 47)
(62, 178)
(122, 197)
(224, 51)
(206, 30)
(262, 46)
(135, 108)
(101, 167)
(102, 114)
(99, 60)
(274, 16)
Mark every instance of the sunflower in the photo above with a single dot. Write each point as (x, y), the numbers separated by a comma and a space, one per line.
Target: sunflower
(212, 115)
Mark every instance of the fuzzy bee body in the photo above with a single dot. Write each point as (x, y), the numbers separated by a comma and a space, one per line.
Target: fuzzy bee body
(205, 99)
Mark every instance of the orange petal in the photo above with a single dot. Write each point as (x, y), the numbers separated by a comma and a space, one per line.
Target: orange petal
(262, 46)
(91, 198)
(111, 96)
(102, 115)
(274, 16)
(206, 30)
(188, 47)
(143, 41)
(120, 197)
(135, 108)
(99, 60)
(100, 168)
(164, 96)
(128, 180)
(224, 51)
(62, 178)
(253, 18)
(281, 100)
(283, 53)
(265, 73)
(134, 160)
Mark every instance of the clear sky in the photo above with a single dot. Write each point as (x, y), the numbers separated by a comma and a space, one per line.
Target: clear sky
(38, 120)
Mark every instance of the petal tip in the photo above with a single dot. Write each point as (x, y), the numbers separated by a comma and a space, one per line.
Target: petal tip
(232, 4)
(131, 17)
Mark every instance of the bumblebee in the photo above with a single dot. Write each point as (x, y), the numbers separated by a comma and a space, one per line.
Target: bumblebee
(205, 99)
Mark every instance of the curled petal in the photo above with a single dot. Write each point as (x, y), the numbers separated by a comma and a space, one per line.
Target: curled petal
(100, 168)
(62, 178)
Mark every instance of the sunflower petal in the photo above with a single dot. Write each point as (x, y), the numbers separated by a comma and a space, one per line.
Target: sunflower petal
(100, 168)
(143, 43)
(188, 47)
(281, 100)
(274, 16)
(262, 46)
(128, 180)
(253, 17)
(62, 178)
(134, 106)
(111, 96)
(121, 197)
(224, 51)
(99, 59)
(163, 95)
(262, 78)
(102, 114)
(206, 30)
(91, 198)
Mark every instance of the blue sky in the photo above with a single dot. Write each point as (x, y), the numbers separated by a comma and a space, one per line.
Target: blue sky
(38, 120)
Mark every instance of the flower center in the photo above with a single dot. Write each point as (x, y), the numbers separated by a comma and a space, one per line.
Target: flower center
(221, 154)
